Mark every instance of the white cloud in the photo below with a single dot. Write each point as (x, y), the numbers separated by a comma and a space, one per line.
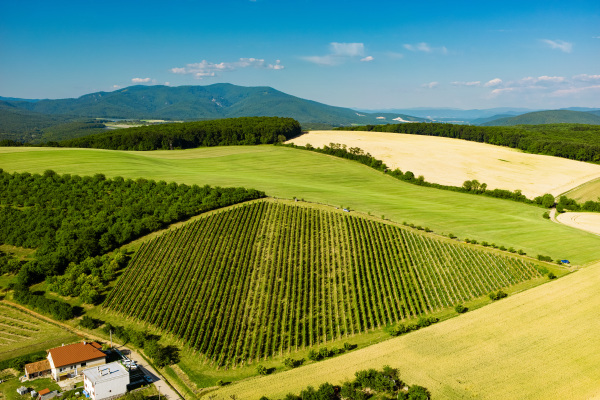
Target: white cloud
(116, 86)
(430, 85)
(209, 69)
(575, 91)
(578, 87)
(141, 80)
(347, 49)
(559, 44)
(339, 53)
(167, 83)
(473, 83)
(425, 48)
(595, 37)
(494, 82)
(418, 47)
(587, 78)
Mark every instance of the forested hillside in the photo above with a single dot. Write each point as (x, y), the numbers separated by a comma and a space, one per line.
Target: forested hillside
(547, 117)
(215, 101)
(574, 141)
(223, 132)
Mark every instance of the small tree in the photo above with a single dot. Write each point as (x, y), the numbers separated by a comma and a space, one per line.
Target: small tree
(459, 308)
(262, 370)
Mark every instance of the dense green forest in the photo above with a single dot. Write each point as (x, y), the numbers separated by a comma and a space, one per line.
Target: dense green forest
(223, 132)
(574, 141)
(70, 218)
(19, 126)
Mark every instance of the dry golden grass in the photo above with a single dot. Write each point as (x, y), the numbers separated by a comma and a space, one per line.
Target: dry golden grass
(581, 220)
(588, 191)
(543, 343)
(453, 161)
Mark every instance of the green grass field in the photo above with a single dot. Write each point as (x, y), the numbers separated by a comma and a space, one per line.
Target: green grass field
(543, 343)
(284, 172)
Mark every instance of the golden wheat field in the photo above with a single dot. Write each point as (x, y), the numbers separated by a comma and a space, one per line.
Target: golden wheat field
(453, 161)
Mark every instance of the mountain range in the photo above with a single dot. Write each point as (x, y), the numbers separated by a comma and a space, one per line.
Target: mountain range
(221, 100)
(35, 120)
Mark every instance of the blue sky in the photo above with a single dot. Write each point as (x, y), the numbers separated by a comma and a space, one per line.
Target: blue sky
(378, 54)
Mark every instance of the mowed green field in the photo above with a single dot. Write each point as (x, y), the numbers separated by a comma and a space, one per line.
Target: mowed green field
(543, 343)
(285, 172)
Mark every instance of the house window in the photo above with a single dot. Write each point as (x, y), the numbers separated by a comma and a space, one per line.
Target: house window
(83, 364)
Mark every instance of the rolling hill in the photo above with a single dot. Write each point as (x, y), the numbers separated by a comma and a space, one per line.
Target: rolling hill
(215, 101)
(291, 276)
(547, 117)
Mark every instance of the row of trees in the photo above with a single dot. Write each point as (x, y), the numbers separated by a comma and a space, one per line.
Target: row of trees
(58, 309)
(160, 355)
(69, 218)
(574, 141)
(357, 154)
(382, 384)
(186, 135)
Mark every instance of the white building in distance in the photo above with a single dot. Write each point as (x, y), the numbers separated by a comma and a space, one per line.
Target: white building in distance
(106, 381)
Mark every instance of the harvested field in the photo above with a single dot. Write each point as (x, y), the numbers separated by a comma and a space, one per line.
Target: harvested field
(581, 220)
(588, 191)
(453, 161)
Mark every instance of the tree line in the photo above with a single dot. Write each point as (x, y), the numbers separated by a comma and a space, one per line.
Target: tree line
(68, 218)
(574, 141)
(186, 135)
(369, 383)
(472, 187)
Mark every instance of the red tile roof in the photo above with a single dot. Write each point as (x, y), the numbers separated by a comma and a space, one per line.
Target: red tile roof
(39, 366)
(44, 391)
(75, 353)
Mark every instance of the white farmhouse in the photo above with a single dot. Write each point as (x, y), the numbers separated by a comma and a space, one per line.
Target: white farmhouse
(106, 381)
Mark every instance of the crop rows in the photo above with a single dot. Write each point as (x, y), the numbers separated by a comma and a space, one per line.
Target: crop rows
(267, 278)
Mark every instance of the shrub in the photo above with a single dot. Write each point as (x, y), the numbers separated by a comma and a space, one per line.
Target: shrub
(497, 295)
(459, 308)
(551, 275)
(262, 370)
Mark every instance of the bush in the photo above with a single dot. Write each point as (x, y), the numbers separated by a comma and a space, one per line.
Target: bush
(459, 308)
(551, 275)
(262, 370)
(497, 295)
(89, 323)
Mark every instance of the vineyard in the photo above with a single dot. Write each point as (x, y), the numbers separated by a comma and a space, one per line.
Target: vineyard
(267, 278)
